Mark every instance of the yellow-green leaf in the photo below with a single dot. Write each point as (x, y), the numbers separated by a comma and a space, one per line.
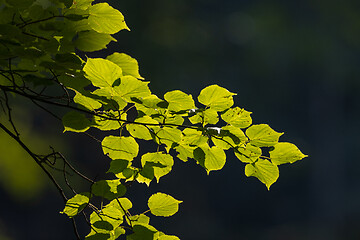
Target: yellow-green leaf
(142, 131)
(105, 19)
(248, 153)
(285, 152)
(120, 147)
(179, 101)
(237, 117)
(217, 98)
(132, 87)
(262, 135)
(208, 116)
(87, 102)
(76, 204)
(128, 64)
(230, 137)
(157, 164)
(91, 41)
(102, 72)
(161, 204)
(263, 170)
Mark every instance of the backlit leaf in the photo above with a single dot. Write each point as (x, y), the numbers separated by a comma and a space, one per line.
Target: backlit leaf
(179, 101)
(128, 64)
(230, 137)
(215, 158)
(168, 237)
(120, 147)
(208, 116)
(159, 163)
(263, 170)
(87, 102)
(262, 135)
(161, 204)
(105, 19)
(141, 131)
(217, 98)
(142, 232)
(248, 153)
(168, 135)
(105, 124)
(285, 152)
(237, 117)
(132, 87)
(185, 152)
(76, 204)
(193, 137)
(91, 41)
(102, 72)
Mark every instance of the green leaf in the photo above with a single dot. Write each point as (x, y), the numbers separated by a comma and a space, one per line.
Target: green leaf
(217, 98)
(102, 72)
(179, 101)
(128, 64)
(107, 124)
(168, 237)
(76, 204)
(105, 19)
(75, 122)
(87, 102)
(168, 136)
(141, 131)
(248, 153)
(215, 158)
(237, 117)
(141, 219)
(129, 173)
(132, 87)
(142, 232)
(98, 236)
(208, 116)
(262, 135)
(120, 147)
(159, 163)
(109, 189)
(91, 41)
(230, 137)
(114, 211)
(193, 137)
(110, 217)
(263, 170)
(161, 204)
(285, 152)
(111, 94)
(118, 165)
(185, 152)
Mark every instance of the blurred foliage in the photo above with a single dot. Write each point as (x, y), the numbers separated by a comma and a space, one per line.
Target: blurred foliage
(19, 176)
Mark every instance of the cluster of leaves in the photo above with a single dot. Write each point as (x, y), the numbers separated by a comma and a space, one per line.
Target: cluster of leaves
(38, 40)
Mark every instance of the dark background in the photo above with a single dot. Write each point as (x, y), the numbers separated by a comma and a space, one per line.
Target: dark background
(294, 64)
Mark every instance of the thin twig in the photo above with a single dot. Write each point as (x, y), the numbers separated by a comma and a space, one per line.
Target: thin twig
(36, 159)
